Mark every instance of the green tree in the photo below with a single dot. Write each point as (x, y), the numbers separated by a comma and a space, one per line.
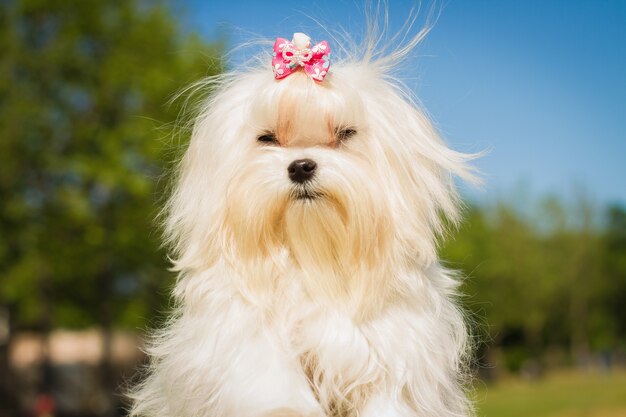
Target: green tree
(546, 281)
(84, 132)
(610, 314)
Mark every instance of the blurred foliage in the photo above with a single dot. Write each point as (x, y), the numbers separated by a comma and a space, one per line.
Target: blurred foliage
(544, 287)
(85, 136)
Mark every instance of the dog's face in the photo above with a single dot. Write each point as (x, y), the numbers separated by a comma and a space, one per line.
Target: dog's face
(313, 178)
(342, 175)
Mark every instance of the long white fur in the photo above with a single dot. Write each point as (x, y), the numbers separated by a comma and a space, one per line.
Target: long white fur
(332, 307)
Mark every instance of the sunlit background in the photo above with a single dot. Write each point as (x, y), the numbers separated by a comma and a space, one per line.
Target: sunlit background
(87, 140)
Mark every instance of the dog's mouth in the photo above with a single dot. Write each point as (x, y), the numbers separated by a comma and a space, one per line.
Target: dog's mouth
(305, 194)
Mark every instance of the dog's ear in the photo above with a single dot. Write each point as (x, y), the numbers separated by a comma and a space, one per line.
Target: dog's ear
(192, 217)
(427, 200)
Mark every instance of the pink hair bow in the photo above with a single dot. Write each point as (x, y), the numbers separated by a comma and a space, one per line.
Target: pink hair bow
(290, 56)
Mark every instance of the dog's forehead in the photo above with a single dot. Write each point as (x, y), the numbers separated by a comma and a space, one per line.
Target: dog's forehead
(304, 115)
(302, 112)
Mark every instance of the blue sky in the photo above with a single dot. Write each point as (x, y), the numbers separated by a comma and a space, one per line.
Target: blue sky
(542, 83)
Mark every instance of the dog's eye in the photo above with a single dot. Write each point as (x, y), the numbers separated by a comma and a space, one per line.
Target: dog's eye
(267, 138)
(343, 134)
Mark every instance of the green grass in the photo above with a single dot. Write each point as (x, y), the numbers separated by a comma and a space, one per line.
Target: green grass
(562, 395)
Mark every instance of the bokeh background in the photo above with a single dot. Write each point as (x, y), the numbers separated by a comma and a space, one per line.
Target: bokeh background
(87, 139)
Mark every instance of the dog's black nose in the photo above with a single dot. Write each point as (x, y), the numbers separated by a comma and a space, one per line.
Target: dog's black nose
(301, 170)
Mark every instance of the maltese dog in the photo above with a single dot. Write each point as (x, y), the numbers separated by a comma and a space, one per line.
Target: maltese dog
(304, 224)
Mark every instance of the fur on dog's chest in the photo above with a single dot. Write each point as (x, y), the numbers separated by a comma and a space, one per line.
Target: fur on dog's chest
(337, 359)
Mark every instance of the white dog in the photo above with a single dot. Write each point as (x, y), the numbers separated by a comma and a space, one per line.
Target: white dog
(304, 223)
